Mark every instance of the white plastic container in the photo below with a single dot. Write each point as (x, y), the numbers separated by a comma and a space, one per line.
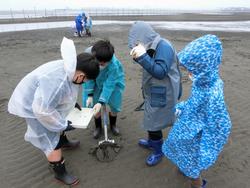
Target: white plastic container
(80, 119)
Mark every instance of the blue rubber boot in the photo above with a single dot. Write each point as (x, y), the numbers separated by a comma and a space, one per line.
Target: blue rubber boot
(145, 143)
(155, 157)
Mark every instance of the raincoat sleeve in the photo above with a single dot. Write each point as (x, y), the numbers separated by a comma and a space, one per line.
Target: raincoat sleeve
(195, 108)
(46, 99)
(158, 66)
(108, 86)
(180, 105)
(89, 86)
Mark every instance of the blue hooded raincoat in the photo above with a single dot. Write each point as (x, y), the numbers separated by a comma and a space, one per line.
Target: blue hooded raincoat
(203, 126)
(79, 22)
(161, 77)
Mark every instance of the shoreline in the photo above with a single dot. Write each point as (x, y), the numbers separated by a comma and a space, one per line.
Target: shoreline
(178, 17)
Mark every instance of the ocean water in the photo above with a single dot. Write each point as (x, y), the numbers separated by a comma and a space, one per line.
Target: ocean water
(235, 26)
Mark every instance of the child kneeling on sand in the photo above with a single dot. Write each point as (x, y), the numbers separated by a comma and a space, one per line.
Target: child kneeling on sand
(203, 124)
(107, 88)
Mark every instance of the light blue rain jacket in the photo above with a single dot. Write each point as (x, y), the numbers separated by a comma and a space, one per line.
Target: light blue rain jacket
(108, 86)
(161, 77)
(203, 127)
(88, 23)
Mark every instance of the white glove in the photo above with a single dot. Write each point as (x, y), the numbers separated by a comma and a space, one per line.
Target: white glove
(97, 108)
(89, 102)
(137, 51)
(177, 112)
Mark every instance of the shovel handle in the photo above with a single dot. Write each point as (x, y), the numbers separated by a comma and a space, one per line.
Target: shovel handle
(105, 121)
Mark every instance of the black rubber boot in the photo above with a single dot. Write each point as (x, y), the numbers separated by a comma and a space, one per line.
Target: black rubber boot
(98, 128)
(79, 34)
(68, 144)
(88, 33)
(61, 174)
(113, 127)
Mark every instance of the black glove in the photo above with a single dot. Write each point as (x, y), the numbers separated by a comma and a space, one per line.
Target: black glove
(69, 127)
(78, 106)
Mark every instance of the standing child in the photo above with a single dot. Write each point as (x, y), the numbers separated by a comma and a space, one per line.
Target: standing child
(45, 97)
(203, 124)
(88, 25)
(79, 19)
(107, 88)
(160, 84)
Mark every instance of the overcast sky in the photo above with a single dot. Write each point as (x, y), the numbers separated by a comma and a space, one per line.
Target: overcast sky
(81, 4)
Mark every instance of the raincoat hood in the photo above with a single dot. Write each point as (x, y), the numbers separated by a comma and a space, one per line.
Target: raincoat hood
(202, 58)
(69, 56)
(141, 32)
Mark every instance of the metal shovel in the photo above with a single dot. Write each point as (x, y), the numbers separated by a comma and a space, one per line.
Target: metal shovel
(107, 149)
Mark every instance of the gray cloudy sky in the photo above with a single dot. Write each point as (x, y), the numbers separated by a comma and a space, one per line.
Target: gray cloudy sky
(79, 4)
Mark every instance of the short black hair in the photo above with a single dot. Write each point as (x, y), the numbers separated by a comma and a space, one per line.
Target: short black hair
(88, 64)
(103, 50)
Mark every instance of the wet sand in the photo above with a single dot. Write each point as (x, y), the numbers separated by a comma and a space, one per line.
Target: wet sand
(22, 166)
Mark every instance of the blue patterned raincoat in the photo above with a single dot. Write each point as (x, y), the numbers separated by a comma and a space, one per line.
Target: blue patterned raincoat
(203, 126)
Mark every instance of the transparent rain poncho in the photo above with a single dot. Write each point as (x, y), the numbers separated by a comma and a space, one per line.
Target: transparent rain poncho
(45, 97)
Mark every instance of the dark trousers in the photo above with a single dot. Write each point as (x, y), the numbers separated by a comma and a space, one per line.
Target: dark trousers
(155, 135)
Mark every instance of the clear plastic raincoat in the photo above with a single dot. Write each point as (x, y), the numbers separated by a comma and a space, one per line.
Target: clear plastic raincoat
(88, 22)
(44, 98)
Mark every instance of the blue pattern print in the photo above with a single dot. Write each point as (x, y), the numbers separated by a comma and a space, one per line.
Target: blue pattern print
(203, 125)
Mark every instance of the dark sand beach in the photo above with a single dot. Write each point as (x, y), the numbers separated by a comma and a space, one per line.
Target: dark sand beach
(23, 166)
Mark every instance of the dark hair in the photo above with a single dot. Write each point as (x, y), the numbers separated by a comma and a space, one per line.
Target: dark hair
(88, 64)
(103, 50)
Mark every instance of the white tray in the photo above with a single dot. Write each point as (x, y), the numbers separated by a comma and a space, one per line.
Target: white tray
(80, 119)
